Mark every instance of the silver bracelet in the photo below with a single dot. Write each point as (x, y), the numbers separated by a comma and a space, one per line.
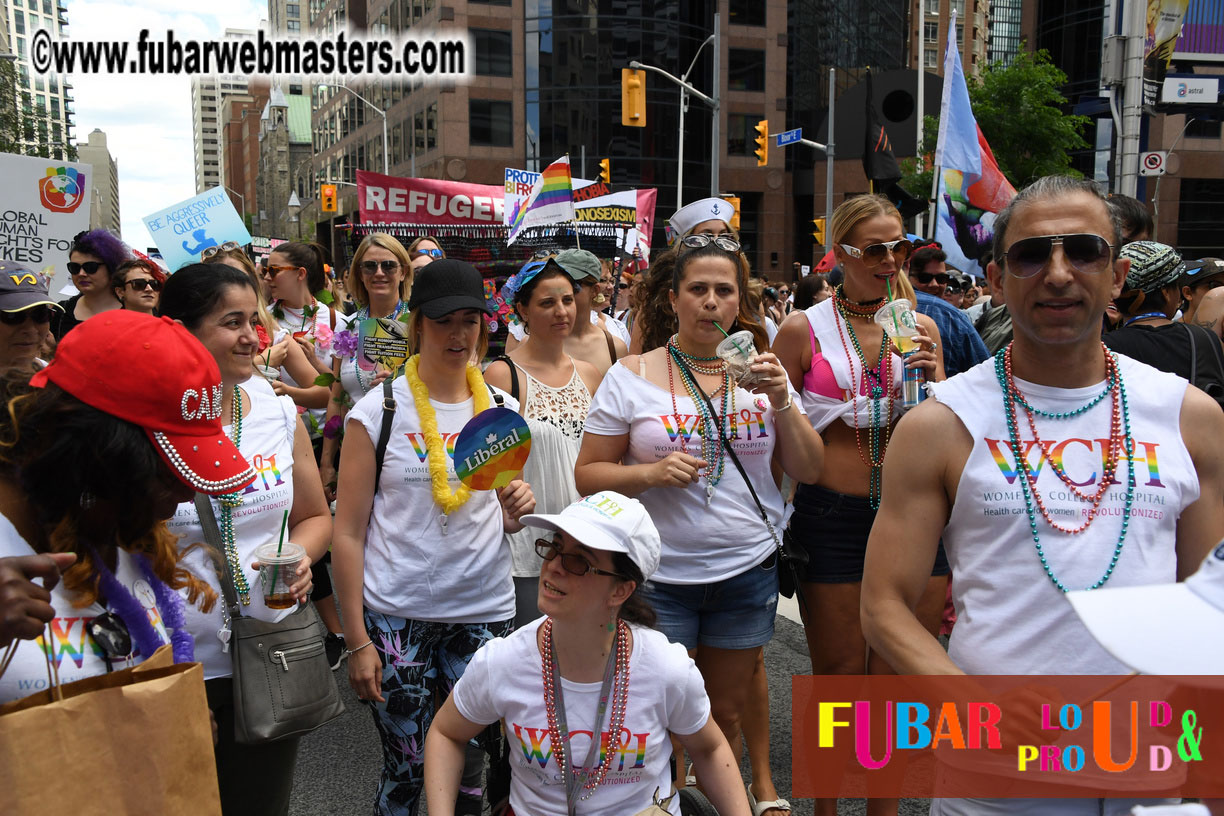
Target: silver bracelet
(351, 652)
(790, 402)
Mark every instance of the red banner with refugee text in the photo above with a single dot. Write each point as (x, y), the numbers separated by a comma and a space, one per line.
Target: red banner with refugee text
(393, 200)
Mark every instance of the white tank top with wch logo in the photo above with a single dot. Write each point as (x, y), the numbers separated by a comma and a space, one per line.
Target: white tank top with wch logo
(1011, 618)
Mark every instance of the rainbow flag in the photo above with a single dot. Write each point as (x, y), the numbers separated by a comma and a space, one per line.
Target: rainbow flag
(551, 200)
(972, 189)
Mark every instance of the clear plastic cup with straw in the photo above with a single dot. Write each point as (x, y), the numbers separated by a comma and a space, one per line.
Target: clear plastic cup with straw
(278, 563)
(900, 324)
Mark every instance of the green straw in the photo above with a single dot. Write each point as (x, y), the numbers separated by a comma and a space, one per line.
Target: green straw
(280, 544)
(893, 312)
(737, 345)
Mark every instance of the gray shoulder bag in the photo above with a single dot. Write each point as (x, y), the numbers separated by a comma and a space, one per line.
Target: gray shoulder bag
(283, 684)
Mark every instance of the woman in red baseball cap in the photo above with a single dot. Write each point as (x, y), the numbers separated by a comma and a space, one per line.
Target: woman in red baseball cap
(93, 458)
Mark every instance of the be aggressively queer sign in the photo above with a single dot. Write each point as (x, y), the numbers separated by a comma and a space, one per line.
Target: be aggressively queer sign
(189, 227)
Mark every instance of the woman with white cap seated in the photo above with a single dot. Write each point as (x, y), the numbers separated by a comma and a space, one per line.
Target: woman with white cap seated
(655, 322)
(601, 665)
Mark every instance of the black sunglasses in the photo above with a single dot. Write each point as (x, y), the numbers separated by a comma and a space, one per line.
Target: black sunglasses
(573, 563)
(875, 254)
(1083, 250)
(39, 314)
(927, 277)
(139, 284)
(371, 267)
(701, 239)
(111, 635)
(622, 285)
(89, 267)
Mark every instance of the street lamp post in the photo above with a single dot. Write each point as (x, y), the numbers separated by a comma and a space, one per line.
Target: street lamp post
(683, 110)
(241, 198)
(686, 89)
(380, 112)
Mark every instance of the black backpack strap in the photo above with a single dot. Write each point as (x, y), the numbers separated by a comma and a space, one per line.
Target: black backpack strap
(384, 433)
(498, 399)
(514, 389)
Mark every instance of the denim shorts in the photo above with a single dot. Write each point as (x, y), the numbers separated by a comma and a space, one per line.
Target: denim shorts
(735, 613)
(833, 528)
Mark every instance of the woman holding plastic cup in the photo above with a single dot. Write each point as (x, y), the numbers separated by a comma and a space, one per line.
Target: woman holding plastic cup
(850, 377)
(653, 434)
(421, 569)
(218, 305)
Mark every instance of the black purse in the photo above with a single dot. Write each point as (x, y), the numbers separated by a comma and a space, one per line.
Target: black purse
(791, 557)
(283, 683)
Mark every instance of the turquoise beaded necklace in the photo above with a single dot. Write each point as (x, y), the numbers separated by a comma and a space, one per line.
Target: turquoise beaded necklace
(714, 429)
(228, 502)
(877, 433)
(1012, 398)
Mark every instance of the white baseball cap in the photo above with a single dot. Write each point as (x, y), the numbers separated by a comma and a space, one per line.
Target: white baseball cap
(707, 209)
(611, 522)
(1164, 628)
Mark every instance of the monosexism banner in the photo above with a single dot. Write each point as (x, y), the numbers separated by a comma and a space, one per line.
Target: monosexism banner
(46, 203)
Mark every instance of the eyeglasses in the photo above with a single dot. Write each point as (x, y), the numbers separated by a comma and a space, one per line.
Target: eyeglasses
(433, 253)
(926, 277)
(139, 284)
(1084, 251)
(622, 285)
(876, 254)
(110, 634)
(701, 239)
(573, 563)
(228, 246)
(271, 271)
(39, 314)
(89, 267)
(371, 267)
(541, 254)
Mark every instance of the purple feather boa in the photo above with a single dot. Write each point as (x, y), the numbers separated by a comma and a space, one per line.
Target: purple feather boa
(128, 608)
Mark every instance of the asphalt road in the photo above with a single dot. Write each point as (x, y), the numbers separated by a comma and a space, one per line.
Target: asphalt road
(338, 765)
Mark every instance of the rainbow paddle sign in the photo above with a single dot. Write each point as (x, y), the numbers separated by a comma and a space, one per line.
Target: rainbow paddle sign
(491, 449)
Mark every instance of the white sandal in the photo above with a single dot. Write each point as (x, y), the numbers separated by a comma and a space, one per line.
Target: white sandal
(760, 807)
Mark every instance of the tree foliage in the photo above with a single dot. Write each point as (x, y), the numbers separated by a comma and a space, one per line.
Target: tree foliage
(24, 128)
(1020, 109)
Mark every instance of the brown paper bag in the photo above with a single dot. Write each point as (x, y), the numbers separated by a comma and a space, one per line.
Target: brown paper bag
(135, 741)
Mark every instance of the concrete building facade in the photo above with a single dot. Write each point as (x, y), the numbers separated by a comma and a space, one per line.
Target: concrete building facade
(104, 182)
(208, 96)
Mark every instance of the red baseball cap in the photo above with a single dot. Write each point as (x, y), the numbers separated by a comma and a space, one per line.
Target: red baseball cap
(152, 372)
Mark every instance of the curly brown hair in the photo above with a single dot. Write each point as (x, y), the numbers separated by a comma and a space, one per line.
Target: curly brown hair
(56, 450)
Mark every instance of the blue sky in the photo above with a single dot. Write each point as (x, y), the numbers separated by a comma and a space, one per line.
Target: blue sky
(147, 120)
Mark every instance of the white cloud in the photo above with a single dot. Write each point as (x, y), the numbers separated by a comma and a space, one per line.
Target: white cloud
(147, 119)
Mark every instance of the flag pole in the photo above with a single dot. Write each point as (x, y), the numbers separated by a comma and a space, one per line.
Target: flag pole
(934, 202)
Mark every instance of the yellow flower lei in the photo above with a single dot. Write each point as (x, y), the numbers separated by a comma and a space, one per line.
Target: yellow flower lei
(445, 498)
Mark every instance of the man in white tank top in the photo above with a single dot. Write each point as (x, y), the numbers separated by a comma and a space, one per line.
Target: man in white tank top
(1017, 541)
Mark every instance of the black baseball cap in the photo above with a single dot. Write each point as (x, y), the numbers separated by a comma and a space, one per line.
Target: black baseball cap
(22, 288)
(447, 285)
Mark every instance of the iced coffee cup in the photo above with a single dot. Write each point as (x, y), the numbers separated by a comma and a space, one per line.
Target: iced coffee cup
(278, 571)
(738, 351)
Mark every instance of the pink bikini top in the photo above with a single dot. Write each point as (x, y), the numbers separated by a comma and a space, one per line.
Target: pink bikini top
(819, 378)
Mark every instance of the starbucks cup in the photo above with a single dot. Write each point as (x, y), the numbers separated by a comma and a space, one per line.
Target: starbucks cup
(900, 324)
(277, 571)
(738, 351)
(269, 374)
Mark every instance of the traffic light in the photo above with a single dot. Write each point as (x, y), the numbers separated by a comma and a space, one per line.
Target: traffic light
(762, 142)
(633, 98)
(327, 197)
(819, 232)
(735, 217)
(605, 171)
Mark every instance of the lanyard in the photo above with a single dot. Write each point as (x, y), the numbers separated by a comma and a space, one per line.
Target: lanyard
(1145, 316)
(574, 782)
